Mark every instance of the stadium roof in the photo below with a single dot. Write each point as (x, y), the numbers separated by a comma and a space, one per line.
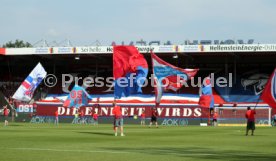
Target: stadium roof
(143, 49)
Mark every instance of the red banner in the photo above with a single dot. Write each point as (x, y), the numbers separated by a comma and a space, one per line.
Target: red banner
(127, 110)
(2, 51)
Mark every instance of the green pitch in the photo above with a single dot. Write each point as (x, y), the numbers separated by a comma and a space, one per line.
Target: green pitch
(44, 142)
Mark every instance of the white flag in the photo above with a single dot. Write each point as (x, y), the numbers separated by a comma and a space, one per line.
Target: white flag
(26, 90)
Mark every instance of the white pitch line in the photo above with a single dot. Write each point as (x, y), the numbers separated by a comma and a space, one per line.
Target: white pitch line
(111, 152)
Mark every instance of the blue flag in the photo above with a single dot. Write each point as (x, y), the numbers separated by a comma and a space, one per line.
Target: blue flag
(78, 97)
(206, 98)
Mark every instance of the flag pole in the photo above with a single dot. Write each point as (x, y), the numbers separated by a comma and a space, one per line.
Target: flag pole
(209, 116)
(155, 90)
(257, 102)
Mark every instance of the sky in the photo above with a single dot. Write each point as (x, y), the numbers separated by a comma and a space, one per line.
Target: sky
(84, 22)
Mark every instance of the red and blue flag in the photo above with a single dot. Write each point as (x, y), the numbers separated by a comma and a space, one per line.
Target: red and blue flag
(206, 98)
(130, 70)
(168, 77)
(78, 97)
(269, 93)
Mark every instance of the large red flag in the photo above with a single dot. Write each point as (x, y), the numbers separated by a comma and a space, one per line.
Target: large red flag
(127, 62)
(269, 93)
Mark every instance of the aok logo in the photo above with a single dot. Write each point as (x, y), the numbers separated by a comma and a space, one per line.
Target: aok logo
(175, 122)
(263, 122)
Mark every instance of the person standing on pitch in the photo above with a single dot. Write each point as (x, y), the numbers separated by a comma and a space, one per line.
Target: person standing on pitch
(6, 115)
(94, 113)
(250, 116)
(274, 120)
(118, 119)
(56, 117)
(76, 117)
(143, 118)
(154, 115)
(95, 118)
(81, 115)
(215, 119)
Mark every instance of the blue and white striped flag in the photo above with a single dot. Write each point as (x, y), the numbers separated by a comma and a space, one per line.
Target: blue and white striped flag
(26, 90)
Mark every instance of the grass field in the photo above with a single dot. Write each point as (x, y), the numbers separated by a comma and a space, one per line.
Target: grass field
(44, 142)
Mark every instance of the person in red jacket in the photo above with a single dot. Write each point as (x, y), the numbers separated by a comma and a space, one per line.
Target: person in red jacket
(94, 113)
(6, 115)
(215, 119)
(118, 119)
(154, 115)
(250, 116)
(95, 118)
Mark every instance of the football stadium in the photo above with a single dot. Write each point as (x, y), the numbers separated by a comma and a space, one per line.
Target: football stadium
(51, 109)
